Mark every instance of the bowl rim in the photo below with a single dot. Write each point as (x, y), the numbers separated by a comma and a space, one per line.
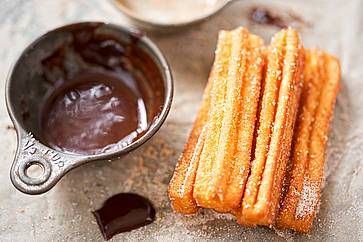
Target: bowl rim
(157, 24)
(152, 50)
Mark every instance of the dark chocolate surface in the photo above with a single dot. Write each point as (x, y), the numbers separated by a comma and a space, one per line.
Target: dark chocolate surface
(104, 94)
(124, 212)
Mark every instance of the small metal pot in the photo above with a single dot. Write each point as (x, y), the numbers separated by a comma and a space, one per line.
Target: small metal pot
(24, 80)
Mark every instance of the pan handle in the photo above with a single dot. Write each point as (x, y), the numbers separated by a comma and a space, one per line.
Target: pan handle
(37, 168)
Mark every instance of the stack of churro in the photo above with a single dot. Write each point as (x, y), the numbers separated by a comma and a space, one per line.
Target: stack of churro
(237, 156)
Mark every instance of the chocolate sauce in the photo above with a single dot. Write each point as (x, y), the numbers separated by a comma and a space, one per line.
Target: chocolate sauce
(104, 94)
(124, 212)
(265, 16)
(93, 114)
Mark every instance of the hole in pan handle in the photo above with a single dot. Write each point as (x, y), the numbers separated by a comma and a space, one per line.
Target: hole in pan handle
(37, 168)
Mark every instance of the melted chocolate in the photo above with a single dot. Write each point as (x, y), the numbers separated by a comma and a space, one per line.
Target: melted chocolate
(104, 94)
(93, 114)
(124, 212)
(265, 16)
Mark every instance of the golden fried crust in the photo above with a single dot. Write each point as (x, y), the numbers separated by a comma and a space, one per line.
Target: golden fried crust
(267, 113)
(308, 104)
(321, 85)
(182, 183)
(277, 116)
(291, 114)
(202, 193)
(224, 165)
(250, 94)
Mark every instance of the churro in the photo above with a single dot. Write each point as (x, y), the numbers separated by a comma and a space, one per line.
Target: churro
(182, 183)
(275, 128)
(321, 85)
(225, 158)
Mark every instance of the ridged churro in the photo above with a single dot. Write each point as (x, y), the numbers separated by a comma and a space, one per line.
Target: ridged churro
(251, 87)
(182, 183)
(225, 159)
(275, 128)
(321, 85)
(217, 94)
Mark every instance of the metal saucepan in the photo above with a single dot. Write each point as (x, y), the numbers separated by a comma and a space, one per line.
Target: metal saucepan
(26, 91)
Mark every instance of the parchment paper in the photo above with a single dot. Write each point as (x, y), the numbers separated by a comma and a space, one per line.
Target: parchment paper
(64, 213)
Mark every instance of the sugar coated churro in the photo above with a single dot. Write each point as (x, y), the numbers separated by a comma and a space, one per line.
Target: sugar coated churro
(257, 147)
(277, 116)
(225, 159)
(182, 183)
(321, 85)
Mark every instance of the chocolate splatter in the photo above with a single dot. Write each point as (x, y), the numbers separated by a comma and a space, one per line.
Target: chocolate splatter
(10, 127)
(124, 212)
(266, 16)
